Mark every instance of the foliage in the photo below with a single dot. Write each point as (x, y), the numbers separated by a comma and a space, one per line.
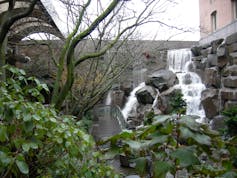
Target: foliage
(231, 121)
(174, 145)
(178, 103)
(35, 141)
(230, 132)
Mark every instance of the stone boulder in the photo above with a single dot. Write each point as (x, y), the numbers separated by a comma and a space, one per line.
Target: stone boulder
(162, 80)
(212, 60)
(228, 94)
(217, 123)
(146, 95)
(212, 78)
(164, 100)
(210, 102)
(215, 44)
(230, 71)
(230, 82)
(196, 50)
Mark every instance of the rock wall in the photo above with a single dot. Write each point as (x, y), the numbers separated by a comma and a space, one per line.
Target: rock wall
(216, 63)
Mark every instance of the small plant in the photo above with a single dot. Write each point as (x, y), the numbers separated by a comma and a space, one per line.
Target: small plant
(178, 103)
(35, 141)
(171, 145)
(231, 121)
(230, 132)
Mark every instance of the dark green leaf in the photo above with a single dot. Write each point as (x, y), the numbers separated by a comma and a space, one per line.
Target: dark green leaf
(185, 157)
(161, 168)
(23, 167)
(3, 133)
(28, 126)
(230, 174)
(161, 119)
(5, 159)
(140, 164)
(158, 139)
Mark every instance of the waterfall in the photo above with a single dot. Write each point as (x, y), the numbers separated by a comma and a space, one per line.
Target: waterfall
(132, 101)
(179, 61)
(108, 100)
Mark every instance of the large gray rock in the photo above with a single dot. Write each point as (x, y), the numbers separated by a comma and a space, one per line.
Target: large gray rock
(162, 80)
(230, 71)
(232, 48)
(230, 82)
(196, 50)
(212, 60)
(210, 102)
(146, 95)
(222, 61)
(228, 94)
(215, 44)
(205, 52)
(221, 51)
(164, 100)
(211, 77)
(230, 104)
(217, 123)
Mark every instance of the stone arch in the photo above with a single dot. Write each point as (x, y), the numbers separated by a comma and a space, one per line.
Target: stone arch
(38, 21)
(31, 30)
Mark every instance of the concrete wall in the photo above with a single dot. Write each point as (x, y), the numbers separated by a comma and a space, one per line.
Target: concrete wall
(220, 33)
(225, 14)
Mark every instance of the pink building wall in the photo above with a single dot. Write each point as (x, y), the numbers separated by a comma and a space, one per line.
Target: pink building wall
(224, 15)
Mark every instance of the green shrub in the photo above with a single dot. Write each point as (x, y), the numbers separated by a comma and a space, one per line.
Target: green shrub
(173, 144)
(35, 141)
(231, 121)
(230, 132)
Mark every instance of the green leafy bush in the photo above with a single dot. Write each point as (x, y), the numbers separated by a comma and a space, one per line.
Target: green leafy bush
(174, 144)
(35, 141)
(231, 121)
(230, 132)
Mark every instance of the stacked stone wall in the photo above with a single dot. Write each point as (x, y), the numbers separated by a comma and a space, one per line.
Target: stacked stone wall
(216, 63)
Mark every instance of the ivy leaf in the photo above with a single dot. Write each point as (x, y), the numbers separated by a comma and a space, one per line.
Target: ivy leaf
(140, 164)
(161, 119)
(3, 133)
(161, 168)
(5, 159)
(202, 139)
(28, 126)
(21, 164)
(230, 174)
(134, 145)
(158, 139)
(23, 167)
(185, 157)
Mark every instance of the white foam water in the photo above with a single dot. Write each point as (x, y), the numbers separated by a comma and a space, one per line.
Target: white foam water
(132, 101)
(179, 61)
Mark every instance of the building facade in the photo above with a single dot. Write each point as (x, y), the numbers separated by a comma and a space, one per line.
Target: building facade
(217, 19)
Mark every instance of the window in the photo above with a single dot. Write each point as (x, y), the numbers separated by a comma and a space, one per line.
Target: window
(234, 8)
(213, 21)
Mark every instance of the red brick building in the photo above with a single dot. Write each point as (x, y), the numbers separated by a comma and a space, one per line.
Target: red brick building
(217, 15)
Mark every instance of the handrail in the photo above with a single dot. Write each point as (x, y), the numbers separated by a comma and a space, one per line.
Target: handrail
(115, 113)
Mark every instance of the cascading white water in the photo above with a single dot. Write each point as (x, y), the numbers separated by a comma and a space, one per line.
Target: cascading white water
(190, 83)
(132, 101)
(108, 100)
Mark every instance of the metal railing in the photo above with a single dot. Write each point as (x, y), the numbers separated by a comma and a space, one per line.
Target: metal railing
(114, 112)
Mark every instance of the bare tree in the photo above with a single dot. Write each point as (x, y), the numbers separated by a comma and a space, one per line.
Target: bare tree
(111, 26)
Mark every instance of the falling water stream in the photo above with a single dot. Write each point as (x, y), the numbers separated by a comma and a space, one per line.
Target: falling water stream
(132, 101)
(179, 61)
